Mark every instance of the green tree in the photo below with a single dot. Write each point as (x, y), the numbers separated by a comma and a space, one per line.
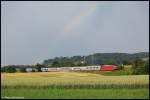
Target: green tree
(33, 70)
(111, 62)
(23, 69)
(2, 69)
(146, 67)
(121, 66)
(56, 64)
(39, 66)
(10, 69)
(126, 62)
(140, 67)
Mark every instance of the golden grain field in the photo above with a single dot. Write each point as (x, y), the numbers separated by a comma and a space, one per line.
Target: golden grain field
(64, 78)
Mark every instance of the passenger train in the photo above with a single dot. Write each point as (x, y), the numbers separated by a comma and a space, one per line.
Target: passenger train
(81, 68)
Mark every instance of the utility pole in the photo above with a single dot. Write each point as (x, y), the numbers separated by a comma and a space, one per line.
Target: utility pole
(84, 60)
(92, 58)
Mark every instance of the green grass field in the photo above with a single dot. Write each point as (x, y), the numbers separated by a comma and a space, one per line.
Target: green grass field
(73, 85)
(77, 93)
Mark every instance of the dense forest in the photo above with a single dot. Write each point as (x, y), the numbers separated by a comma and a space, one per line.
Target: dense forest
(95, 59)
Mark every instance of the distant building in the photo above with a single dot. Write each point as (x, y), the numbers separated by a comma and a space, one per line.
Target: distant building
(18, 69)
(29, 69)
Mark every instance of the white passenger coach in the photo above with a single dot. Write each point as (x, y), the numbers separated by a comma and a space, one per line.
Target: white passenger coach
(71, 68)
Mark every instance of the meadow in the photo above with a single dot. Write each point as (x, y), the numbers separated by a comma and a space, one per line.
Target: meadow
(73, 85)
(77, 93)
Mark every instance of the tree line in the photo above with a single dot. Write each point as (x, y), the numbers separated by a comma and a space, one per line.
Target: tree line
(139, 66)
(22, 68)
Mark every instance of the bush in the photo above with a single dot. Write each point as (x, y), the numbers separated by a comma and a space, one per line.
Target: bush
(140, 67)
(146, 67)
(39, 66)
(33, 70)
(9, 69)
(22, 69)
(2, 69)
(120, 67)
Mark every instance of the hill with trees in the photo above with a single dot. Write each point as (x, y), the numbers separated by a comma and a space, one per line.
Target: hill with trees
(95, 59)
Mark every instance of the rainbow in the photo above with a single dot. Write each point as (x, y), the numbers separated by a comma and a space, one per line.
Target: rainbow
(77, 19)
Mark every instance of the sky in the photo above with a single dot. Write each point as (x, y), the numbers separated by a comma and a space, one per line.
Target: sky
(33, 31)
